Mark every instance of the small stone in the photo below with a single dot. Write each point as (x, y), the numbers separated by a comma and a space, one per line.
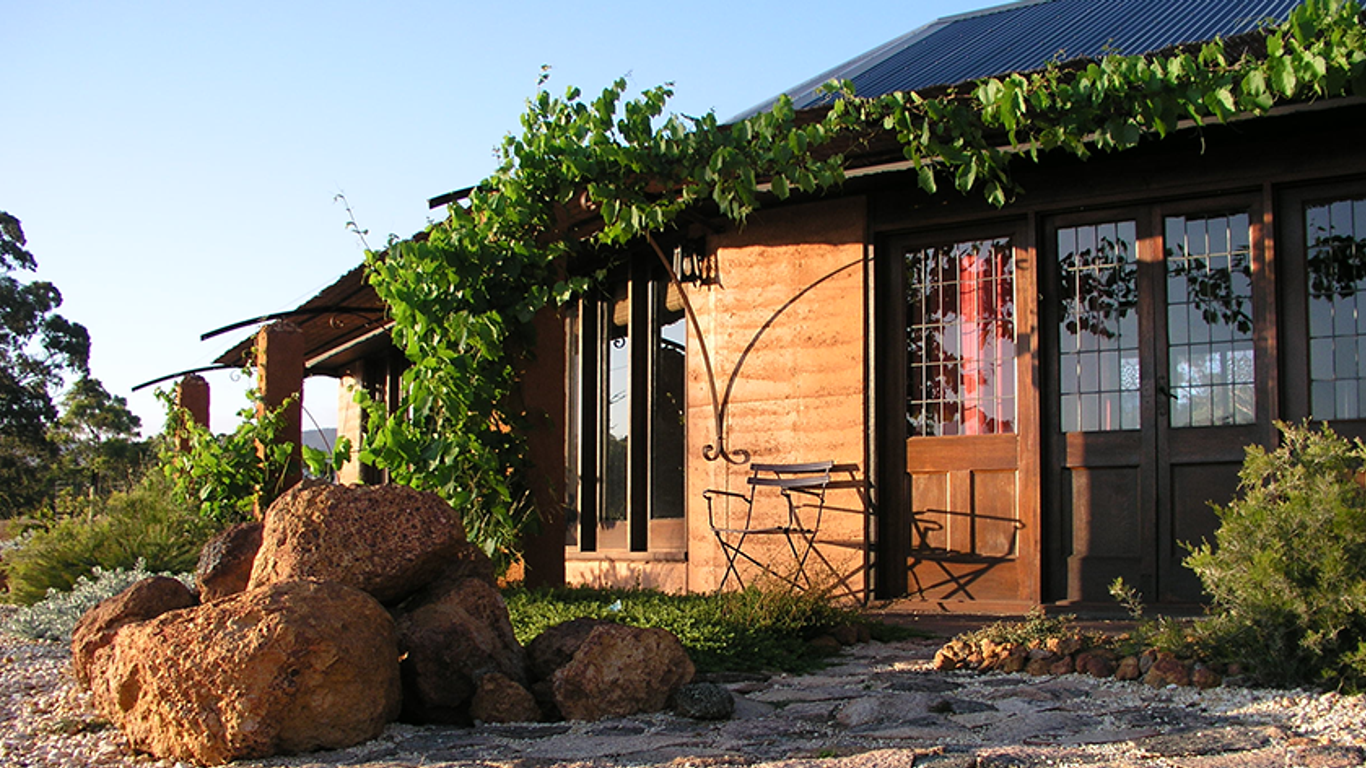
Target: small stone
(704, 701)
(1063, 666)
(825, 644)
(1203, 677)
(1167, 670)
(1326, 756)
(1015, 660)
(845, 634)
(1146, 660)
(1095, 663)
(944, 660)
(1128, 669)
(500, 699)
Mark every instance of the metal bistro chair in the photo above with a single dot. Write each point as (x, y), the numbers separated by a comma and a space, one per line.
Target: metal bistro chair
(802, 487)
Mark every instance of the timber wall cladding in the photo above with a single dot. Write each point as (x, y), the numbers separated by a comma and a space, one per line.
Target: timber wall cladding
(785, 332)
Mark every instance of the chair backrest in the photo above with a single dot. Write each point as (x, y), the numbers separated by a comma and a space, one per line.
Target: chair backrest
(793, 469)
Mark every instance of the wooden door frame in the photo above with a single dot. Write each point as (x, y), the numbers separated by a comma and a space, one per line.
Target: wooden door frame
(1294, 295)
(1156, 510)
(889, 368)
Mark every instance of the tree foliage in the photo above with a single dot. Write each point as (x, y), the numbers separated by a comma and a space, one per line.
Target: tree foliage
(463, 292)
(99, 450)
(37, 348)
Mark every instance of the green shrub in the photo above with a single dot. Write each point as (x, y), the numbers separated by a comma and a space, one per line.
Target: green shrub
(750, 630)
(55, 616)
(1036, 627)
(1184, 638)
(1287, 578)
(141, 525)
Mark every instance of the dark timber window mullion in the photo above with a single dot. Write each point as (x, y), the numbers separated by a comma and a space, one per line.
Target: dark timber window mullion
(638, 461)
(591, 382)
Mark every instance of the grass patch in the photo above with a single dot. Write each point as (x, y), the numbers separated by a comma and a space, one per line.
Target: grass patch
(748, 631)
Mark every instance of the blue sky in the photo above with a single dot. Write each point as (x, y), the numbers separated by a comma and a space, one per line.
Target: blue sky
(175, 164)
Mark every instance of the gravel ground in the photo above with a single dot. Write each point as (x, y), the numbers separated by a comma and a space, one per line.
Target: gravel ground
(833, 719)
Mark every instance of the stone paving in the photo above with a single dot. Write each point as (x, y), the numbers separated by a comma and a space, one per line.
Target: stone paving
(882, 705)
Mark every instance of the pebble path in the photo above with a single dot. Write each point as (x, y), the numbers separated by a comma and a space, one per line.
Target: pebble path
(880, 705)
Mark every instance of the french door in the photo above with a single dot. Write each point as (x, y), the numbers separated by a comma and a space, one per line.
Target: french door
(1156, 378)
(970, 535)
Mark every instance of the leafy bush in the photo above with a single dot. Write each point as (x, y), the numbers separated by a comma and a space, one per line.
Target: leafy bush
(143, 525)
(1185, 639)
(226, 477)
(55, 616)
(1035, 627)
(1288, 575)
(751, 630)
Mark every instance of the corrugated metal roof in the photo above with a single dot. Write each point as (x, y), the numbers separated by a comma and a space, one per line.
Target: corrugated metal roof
(1027, 35)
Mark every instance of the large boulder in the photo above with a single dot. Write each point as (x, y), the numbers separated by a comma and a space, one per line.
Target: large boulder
(225, 562)
(451, 636)
(143, 600)
(387, 540)
(620, 670)
(288, 668)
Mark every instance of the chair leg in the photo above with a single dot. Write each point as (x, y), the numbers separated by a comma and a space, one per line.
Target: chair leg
(730, 552)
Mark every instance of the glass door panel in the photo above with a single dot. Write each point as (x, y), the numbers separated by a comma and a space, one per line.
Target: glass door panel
(960, 337)
(1209, 321)
(1335, 247)
(1098, 329)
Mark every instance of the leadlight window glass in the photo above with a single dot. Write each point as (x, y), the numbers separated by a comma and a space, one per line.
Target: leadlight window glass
(625, 456)
(616, 407)
(960, 317)
(1336, 246)
(1209, 321)
(1098, 372)
(669, 343)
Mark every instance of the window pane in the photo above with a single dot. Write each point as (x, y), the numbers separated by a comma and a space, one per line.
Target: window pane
(667, 444)
(616, 406)
(1098, 337)
(960, 339)
(1209, 286)
(1335, 248)
(573, 427)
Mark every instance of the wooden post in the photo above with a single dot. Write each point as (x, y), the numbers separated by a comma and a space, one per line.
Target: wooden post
(280, 376)
(543, 396)
(192, 394)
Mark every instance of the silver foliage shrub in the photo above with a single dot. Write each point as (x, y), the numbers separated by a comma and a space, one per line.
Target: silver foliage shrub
(55, 616)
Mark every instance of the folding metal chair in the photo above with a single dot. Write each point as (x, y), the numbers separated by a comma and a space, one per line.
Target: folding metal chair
(802, 487)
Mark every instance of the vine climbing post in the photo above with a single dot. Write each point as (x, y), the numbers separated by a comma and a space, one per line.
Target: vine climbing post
(192, 394)
(280, 379)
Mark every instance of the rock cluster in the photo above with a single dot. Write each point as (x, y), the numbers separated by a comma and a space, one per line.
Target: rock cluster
(1080, 654)
(344, 609)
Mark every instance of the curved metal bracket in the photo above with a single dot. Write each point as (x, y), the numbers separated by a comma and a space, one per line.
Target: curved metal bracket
(717, 450)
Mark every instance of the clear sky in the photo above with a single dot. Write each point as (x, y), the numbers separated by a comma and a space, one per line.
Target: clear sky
(176, 164)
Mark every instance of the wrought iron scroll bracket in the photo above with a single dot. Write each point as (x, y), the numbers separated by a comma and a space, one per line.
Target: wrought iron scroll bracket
(717, 450)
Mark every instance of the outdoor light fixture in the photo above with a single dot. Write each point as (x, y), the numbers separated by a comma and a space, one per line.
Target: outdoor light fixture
(693, 264)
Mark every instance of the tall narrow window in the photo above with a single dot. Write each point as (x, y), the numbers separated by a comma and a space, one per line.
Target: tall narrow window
(574, 432)
(1209, 321)
(616, 412)
(1335, 234)
(1098, 372)
(625, 456)
(960, 317)
(669, 345)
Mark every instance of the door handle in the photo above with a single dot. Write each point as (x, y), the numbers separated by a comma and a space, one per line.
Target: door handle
(1167, 393)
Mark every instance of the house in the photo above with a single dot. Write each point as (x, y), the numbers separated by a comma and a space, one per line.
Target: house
(1024, 402)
